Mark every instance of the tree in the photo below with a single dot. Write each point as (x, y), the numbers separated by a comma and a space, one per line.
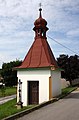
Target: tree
(70, 65)
(10, 75)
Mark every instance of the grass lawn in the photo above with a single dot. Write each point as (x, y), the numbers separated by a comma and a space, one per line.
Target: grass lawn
(7, 91)
(9, 108)
(67, 90)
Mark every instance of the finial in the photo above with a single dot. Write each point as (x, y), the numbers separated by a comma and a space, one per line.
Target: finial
(40, 5)
(40, 9)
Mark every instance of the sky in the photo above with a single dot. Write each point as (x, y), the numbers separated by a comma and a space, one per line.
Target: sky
(17, 21)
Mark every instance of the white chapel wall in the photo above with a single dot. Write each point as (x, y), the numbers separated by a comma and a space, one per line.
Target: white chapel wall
(56, 82)
(35, 75)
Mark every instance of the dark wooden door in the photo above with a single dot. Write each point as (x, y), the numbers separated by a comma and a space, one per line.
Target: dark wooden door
(33, 92)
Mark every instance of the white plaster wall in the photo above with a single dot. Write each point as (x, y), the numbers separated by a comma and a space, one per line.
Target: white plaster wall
(56, 82)
(35, 75)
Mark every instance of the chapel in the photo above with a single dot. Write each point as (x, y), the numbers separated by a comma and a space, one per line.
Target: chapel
(39, 72)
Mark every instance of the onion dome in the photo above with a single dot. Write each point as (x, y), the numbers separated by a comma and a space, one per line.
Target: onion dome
(40, 21)
(40, 26)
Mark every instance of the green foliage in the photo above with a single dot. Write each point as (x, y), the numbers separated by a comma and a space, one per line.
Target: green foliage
(10, 75)
(70, 65)
(3, 89)
(7, 91)
(0, 71)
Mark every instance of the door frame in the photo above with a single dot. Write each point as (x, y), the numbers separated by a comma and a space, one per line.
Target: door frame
(28, 92)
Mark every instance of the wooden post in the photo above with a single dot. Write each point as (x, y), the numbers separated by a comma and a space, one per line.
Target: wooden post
(50, 88)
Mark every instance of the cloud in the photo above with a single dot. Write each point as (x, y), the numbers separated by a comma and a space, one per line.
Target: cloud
(73, 33)
(17, 21)
(62, 14)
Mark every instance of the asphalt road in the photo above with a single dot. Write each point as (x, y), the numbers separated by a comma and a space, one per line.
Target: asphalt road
(64, 109)
(5, 99)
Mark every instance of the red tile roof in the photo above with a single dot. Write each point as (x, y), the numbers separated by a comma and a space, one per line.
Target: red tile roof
(39, 55)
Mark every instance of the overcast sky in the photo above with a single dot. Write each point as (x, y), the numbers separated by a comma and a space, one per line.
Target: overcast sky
(17, 21)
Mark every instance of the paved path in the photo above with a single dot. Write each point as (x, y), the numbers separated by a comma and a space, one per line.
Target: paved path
(64, 109)
(5, 99)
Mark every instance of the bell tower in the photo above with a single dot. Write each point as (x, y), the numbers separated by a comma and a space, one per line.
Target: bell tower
(40, 26)
(40, 54)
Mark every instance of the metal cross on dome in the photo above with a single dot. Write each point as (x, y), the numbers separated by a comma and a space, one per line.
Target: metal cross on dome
(40, 9)
(40, 5)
